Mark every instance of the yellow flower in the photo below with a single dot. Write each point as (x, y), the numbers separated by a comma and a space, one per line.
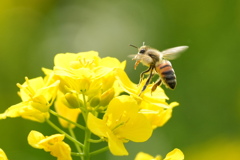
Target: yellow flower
(86, 74)
(53, 144)
(175, 154)
(157, 116)
(3, 155)
(37, 96)
(121, 123)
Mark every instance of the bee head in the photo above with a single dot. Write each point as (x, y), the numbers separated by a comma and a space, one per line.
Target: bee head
(142, 50)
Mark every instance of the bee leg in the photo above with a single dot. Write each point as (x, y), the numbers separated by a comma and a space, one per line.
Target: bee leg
(158, 83)
(149, 78)
(142, 74)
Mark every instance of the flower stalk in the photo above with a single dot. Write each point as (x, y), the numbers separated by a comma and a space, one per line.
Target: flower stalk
(76, 124)
(79, 150)
(64, 133)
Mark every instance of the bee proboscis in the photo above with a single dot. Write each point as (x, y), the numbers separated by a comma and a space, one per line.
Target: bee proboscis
(158, 63)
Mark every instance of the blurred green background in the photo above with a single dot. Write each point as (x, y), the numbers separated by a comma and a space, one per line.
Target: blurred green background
(206, 125)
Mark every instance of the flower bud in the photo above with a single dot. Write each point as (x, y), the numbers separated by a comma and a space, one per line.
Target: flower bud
(95, 101)
(73, 101)
(107, 96)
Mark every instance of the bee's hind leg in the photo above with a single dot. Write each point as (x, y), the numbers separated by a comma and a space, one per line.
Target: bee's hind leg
(158, 83)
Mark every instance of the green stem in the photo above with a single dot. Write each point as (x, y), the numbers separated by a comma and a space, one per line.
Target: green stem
(76, 145)
(86, 148)
(84, 110)
(86, 145)
(99, 151)
(76, 154)
(61, 131)
(58, 115)
(95, 140)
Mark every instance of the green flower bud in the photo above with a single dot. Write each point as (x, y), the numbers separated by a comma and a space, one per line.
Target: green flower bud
(73, 101)
(95, 101)
(107, 96)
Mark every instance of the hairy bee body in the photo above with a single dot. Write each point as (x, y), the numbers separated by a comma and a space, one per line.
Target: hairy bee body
(167, 74)
(158, 63)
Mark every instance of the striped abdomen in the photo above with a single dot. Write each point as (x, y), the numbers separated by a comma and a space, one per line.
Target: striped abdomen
(167, 74)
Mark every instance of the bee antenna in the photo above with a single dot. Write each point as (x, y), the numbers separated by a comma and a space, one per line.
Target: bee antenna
(133, 46)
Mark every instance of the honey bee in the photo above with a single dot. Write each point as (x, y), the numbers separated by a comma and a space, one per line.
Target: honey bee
(158, 63)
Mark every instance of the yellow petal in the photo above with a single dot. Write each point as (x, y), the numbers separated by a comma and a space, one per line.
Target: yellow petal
(29, 87)
(112, 63)
(25, 110)
(62, 151)
(125, 82)
(157, 116)
(13, 111)
(174, 104)
(143, 156)
(175, 154)
(33, 114)
(3, 116)
(34, 137)
(138, 129)
(64, 59)
(84, 59)
(48, 92)
(3, 155)
(97, 126)
(116, 146)
(49, 142)
(47, 71)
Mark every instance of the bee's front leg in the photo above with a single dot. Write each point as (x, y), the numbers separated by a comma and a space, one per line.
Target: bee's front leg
(144, 72)
(150, 69)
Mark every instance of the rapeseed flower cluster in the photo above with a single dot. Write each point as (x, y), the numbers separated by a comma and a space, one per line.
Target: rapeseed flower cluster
(98, 90)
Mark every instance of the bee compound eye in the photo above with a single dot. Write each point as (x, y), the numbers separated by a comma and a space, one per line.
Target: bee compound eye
(142, 51)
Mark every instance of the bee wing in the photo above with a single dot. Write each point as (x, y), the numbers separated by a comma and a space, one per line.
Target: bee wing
(173, 53)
